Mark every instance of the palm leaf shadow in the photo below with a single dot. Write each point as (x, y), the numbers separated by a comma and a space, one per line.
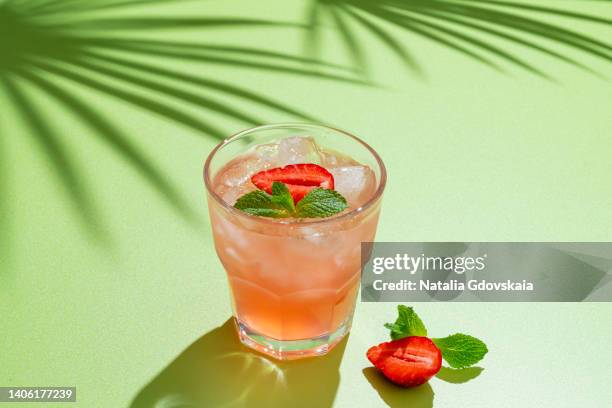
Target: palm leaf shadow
(207, 54)
(45, 136)
(115, 138)
(353, 46)
(70, 6)
(5, 224)
(478, 29)
(47, 43)
(204, 83)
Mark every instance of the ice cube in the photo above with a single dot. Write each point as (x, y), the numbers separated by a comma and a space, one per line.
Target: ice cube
(230, 232)
(298, 149)
(313, 236)
(355, 183)
(330, 158)
(232, 253)
(239, 171)
(231, 194)
(268, 154)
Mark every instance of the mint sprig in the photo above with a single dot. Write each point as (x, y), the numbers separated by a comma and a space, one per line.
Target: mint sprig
(317, 203)
(408, 323)
(458, 350)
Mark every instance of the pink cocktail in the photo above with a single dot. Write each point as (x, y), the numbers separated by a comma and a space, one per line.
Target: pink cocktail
(294, 282)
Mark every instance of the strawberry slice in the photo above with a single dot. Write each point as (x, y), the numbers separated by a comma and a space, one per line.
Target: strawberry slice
(408, 362)
(299, 178)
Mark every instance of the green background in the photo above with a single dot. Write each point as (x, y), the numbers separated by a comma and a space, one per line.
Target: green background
(472, 155)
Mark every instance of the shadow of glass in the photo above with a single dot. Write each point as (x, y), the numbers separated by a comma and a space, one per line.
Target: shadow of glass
(217, 370)
(395, 396)
(459, 376)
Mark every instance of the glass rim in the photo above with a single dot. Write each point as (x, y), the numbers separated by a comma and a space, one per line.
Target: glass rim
(289, 221)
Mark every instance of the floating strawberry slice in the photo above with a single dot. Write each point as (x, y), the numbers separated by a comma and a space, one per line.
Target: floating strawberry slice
(299, 178)
(408, 362)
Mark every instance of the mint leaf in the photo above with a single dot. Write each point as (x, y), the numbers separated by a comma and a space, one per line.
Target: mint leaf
(408, 323)
(260, 203)
(461, 350)
(320, 202)
(254, 199)
(282, 197)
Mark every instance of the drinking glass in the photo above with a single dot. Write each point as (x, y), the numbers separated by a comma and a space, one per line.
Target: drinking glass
(294, 282)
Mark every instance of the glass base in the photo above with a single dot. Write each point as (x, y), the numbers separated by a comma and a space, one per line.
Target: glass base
(291, 349)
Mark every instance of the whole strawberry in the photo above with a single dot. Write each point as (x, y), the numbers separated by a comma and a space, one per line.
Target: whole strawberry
(408, 362)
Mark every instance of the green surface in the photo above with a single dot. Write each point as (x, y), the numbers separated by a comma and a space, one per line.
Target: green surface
(472, 155)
